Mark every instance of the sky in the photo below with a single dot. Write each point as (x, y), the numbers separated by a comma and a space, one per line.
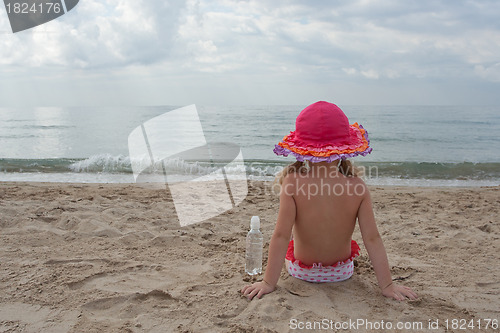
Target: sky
(157, 52)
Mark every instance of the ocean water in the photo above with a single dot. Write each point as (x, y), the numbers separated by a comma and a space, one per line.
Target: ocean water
(412, 145)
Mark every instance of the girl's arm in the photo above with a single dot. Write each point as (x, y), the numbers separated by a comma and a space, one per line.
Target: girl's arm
(376, 252)
(278, 245)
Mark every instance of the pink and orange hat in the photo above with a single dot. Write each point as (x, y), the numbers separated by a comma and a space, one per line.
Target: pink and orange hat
(322, 133)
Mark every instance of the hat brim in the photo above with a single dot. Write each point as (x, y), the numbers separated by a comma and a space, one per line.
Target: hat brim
(357, 144)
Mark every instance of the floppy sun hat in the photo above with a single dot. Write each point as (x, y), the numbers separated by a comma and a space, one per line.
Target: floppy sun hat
(322, 133)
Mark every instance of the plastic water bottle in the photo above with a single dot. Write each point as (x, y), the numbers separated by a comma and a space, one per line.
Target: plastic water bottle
(253, 264)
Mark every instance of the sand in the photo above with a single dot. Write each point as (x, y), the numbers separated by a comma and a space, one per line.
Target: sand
(113, 258)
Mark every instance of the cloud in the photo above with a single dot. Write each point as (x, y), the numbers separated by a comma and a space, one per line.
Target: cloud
(96, 34)
(350, 71)
(257, 43)
(491, 73)
(419, 39)
(370, 74)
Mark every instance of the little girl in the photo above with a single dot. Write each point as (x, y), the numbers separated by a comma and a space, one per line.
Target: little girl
(321, 197)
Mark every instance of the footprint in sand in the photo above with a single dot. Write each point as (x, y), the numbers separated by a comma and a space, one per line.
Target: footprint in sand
(139, 278)
(130, 306)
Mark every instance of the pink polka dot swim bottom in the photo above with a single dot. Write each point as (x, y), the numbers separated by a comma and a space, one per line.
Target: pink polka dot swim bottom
(337, 272)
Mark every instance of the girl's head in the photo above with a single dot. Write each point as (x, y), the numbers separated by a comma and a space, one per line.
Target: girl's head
(323, 134)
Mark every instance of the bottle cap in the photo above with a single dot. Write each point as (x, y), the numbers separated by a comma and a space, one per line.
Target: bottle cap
(255, 222)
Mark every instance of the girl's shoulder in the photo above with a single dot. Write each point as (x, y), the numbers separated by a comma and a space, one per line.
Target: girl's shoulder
(358, 186)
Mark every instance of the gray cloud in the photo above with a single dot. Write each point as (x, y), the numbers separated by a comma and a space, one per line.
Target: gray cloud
(187, 51)
(109, 33)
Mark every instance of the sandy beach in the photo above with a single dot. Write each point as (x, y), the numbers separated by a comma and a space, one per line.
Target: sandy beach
(113, 258)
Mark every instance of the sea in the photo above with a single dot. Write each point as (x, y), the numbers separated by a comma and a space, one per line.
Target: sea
(412, 145)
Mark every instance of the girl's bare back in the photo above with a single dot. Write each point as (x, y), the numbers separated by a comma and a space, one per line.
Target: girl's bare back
(327, 204)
